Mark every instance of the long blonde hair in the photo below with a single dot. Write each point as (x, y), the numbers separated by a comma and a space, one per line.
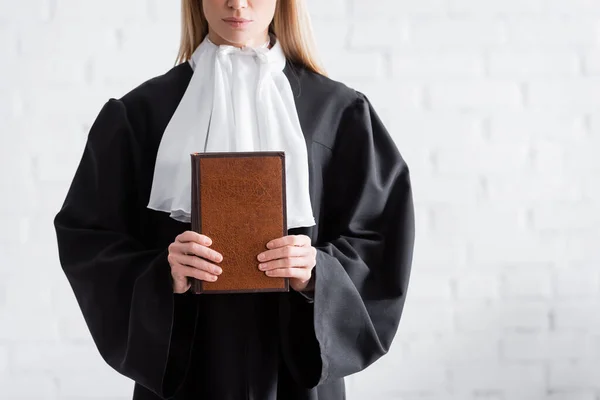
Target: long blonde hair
(291, 25)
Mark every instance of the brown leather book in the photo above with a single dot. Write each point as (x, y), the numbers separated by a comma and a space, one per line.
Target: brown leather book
(238, 200)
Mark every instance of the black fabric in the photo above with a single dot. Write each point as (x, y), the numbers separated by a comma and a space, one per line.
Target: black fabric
(269, 346)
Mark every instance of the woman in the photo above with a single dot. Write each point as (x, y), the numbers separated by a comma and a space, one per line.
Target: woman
(248, 80)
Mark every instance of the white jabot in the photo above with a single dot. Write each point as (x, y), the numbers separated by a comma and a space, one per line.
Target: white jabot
(238, 99)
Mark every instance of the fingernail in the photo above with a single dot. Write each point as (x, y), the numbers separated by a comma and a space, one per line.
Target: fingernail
(261, 266)
(213, 278)
(218, 271)
(269, 245)
(261, 256)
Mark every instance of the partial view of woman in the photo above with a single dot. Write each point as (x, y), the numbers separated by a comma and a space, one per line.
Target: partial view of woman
(246, 80)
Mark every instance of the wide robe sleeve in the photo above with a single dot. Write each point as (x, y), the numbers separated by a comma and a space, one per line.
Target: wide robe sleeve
(124, 288)
(363, 259)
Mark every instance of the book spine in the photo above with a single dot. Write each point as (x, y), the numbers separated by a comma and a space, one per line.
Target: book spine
(195, 212)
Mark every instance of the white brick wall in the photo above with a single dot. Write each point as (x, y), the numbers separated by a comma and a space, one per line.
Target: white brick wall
(494, 103)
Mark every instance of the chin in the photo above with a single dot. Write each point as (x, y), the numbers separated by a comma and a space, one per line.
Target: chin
(238, 40)
(236, 36)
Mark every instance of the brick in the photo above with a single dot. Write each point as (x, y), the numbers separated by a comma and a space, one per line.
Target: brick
(65, 39)
(577, 8)
(592, 64)
(330, 34)
(164, 11)
(507, 7)
(528, 64)
(333, 8)
(105, 385)
(58, 72)
(379, 34)
(472, 377)
(109, 11)
(454, 349)
(443, 190)
(485, 159)
(17, 298)
(581, 249)
(19, 179)
(61, 358)
(394, 8)
(545, 346)
(578, 94)
(63, 299)
(543, 32)
(589, 188)
(30, 11)
(425, 286)
(11, 108)
(527, 284)
(3, 360)
(577, 282)
(455, 33)
(9, 41)
(25, 325)
(419, 135)
(450, 253)
(577, 316)
(571, 395)
(438, 66)
(567, 217)
(475, 95)
(529, 125)
(477, 286)
(388, 383)
(436, 129)
(468, 221)
(73, 329)
(426, 317)
(521, 249)
(354, 65)
(391, 96)
(19, 232)
(533, 188)
(570, 376)
(508, 316)
(28, 387)
(581, 156)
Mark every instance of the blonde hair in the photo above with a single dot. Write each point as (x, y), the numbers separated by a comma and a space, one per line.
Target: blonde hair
(291, 25)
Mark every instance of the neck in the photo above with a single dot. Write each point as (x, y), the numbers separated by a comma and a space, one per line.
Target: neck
(254, 42)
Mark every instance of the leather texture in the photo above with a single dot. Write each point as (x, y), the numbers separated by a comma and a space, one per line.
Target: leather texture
(238, 200)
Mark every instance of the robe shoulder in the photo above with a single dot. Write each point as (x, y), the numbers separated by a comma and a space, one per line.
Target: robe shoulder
(330, 109)
(157, 89)
(150, 105)
(322, 88)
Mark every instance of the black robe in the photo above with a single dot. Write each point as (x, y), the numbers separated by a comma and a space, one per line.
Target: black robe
(284, 346)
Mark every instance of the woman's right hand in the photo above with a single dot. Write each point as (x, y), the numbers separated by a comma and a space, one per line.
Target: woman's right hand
(190, 257)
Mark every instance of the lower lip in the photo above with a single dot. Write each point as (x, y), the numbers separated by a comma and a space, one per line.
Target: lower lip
(238, 24)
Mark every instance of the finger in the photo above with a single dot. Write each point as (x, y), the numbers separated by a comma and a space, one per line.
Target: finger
(193, 248)
(282, 252)
(295, 273)
(187, 271)
(181, 284)
(198, 263)
(298, 262)
(289, 240)
(191, 236)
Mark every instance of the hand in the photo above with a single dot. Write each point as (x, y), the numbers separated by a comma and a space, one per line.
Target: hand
(289, 257)
(189, 256)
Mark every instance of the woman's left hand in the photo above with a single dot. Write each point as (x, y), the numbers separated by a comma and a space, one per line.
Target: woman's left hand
(291, 257)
